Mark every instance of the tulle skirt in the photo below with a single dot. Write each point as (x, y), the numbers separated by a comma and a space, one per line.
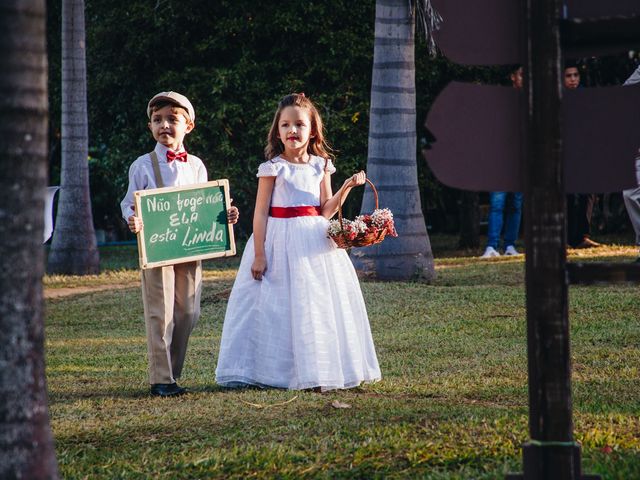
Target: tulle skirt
(305, 324)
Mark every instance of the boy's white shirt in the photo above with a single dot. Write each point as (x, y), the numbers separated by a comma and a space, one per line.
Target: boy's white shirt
(174, 174)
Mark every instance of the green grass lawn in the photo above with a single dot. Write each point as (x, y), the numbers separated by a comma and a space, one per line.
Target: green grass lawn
(452, 403)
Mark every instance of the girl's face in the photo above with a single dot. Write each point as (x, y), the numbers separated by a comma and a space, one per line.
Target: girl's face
(294, 128)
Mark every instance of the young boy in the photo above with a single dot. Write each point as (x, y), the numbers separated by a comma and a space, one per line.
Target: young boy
(171, 294)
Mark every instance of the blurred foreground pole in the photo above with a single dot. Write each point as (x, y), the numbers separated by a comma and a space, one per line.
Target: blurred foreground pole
(26, 445)
(551, 453)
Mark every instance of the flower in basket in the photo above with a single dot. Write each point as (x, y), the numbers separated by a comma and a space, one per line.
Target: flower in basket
(381, 218)
(349, 229)
(356, 232)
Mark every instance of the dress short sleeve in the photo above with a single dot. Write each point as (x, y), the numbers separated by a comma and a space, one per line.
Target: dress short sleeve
(268, 169)
(330, 168)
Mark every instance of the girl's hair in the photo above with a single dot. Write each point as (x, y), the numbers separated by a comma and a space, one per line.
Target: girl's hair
(317, 143)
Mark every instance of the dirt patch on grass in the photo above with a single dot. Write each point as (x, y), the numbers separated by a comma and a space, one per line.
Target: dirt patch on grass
(209, 295)
(69, 291)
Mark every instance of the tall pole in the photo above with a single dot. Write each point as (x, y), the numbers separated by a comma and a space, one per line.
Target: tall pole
(551, 453)
(26, 444)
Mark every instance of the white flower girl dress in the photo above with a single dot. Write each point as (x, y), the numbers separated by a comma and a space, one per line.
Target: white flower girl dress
(305, 324)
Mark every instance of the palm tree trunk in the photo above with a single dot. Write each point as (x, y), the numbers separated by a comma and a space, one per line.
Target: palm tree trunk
(391, 162)
(26, 445)
(73, 249)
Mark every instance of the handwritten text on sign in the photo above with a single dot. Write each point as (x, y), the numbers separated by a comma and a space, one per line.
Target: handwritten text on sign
(184, 223)
(187, 215)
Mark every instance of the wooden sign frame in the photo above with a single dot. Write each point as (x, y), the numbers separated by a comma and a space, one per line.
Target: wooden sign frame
(184, 220)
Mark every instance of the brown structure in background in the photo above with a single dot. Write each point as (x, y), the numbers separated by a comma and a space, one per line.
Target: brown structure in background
(480, 128)
(599, 130)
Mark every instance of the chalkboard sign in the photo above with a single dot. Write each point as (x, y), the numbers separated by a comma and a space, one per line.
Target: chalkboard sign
(184, 224)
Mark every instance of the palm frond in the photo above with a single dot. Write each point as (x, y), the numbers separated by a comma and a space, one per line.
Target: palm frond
(428, 20)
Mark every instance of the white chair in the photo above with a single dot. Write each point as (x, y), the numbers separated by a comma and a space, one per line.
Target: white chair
(48, 212)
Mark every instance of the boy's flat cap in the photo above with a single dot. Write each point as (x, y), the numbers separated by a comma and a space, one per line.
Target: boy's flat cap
(175, 98)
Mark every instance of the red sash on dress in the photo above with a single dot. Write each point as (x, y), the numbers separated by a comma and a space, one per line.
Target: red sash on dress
(290, 212)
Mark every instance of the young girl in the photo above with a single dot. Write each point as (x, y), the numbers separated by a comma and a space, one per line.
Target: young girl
(296, 318)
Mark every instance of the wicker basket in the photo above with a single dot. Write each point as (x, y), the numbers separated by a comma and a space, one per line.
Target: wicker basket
(362, 239)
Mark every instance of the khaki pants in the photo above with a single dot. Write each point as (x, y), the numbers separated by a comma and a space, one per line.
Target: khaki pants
(171, 298)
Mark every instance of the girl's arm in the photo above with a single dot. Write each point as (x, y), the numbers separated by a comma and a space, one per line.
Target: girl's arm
(329, 203)
(260, 216)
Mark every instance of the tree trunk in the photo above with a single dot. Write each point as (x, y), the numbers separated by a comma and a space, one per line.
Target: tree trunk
(73, 249)
(391, 162)
(26, 444)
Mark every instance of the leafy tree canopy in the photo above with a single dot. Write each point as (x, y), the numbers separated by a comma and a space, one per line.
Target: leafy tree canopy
(235, 60)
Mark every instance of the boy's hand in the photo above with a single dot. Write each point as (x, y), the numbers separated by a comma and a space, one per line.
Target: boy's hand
(135, 224)
(233, 214)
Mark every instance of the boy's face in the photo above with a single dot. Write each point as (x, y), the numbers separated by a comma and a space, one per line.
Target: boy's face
(294, 128)
(571, 77)
(169, 125)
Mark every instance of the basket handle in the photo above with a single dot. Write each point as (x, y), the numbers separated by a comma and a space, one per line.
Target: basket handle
(375, 197)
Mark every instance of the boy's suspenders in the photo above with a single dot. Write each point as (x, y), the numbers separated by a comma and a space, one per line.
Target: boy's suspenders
(156, 168)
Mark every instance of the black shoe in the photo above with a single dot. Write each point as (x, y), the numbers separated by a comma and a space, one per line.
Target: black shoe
(167, 390)
(588, 243)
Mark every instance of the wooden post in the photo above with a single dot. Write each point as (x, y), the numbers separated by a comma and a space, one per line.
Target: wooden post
(552, 452)
(546, 284)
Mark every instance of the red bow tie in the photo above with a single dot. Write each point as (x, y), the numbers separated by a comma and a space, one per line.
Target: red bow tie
(171, 156)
